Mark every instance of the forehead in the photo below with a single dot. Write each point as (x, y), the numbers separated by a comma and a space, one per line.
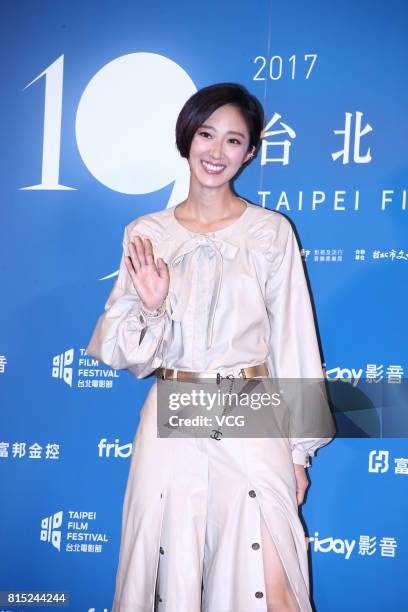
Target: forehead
(229, 117)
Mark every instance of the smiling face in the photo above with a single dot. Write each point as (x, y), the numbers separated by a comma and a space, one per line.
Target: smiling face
(219, 147)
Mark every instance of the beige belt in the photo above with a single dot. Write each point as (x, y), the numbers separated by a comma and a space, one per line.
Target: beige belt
(171, 374)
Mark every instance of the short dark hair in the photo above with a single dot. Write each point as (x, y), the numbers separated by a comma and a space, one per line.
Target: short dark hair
(206, 100)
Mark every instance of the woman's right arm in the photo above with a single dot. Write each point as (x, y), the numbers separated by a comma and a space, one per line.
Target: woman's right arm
(125, 337)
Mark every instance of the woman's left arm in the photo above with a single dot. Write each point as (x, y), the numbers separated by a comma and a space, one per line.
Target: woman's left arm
(295, 353)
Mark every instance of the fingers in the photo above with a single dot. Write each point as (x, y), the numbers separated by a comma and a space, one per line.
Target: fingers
(162, 268)
(300, 494)
(129, 265)
(301, 489)
(141, 252)
(141, 256)
(302, 483)
(148, 252)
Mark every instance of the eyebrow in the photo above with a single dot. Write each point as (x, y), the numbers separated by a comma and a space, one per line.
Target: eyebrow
(204, 125)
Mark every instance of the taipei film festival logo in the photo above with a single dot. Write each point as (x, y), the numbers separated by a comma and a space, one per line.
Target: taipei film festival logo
(78, 369)
(78, 533)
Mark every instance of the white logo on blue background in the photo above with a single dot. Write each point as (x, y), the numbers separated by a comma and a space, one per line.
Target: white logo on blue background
(61, 366)
(50, 529)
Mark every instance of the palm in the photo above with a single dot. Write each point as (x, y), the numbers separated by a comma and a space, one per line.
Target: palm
(150, 279)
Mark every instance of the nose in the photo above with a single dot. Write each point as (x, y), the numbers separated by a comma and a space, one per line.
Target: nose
(216, 151)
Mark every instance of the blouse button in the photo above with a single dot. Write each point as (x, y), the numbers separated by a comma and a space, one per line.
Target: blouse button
(258, 594)
(255, 546)
(161, 550)
(252, 493)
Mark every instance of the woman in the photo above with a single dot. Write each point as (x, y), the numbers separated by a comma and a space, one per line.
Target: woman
(212, 286)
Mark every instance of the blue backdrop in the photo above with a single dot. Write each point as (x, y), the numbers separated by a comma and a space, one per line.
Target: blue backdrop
(89, 99)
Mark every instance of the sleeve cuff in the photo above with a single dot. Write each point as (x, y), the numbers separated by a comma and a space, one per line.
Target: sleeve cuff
(300, 457)
(138, 319)
(147, 318)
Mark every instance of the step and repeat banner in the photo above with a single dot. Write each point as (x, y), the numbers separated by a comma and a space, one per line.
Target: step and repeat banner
(90, 95)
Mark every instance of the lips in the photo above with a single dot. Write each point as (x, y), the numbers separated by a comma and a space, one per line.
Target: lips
(213, 168)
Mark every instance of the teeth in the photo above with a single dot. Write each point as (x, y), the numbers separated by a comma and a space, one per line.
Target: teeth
(212, 167)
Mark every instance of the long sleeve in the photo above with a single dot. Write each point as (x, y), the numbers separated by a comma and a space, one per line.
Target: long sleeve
(294, 350)
(124, 338)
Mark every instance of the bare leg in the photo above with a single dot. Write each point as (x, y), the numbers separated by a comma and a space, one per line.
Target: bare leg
(279, 596)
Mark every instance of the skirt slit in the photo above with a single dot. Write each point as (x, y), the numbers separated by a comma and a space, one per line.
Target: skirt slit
(269, 547)
(157, 597)
(270, 551)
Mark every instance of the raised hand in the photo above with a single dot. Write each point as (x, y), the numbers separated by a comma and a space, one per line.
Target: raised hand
(151, 280)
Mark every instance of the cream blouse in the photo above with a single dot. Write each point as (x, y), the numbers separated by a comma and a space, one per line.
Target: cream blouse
(237, 297)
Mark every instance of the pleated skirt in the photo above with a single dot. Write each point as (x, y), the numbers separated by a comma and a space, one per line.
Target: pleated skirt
(190, 538)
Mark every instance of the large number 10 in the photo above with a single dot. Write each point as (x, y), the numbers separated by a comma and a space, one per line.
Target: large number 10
(52, 126)
(124, 124)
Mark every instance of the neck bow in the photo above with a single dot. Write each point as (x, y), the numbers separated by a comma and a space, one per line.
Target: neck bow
(190, 248)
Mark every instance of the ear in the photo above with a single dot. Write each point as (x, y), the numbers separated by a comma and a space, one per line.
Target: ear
(249, 155)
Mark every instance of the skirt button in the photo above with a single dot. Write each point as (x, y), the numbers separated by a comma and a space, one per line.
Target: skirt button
(258, 594)
(255, 546)
(161, 550)
(252, 493)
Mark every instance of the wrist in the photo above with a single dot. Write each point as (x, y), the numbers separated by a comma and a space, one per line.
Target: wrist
(153, 312)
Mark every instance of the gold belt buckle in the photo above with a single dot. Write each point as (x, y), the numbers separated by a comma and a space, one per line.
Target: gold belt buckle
(252, 371)
(248, 372)
(163, 373)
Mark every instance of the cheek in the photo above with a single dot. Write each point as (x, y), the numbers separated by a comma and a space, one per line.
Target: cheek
(237, 157)
(197, 146)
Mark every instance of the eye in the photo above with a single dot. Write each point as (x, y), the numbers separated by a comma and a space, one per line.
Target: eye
(205, 134)
(236, 141)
